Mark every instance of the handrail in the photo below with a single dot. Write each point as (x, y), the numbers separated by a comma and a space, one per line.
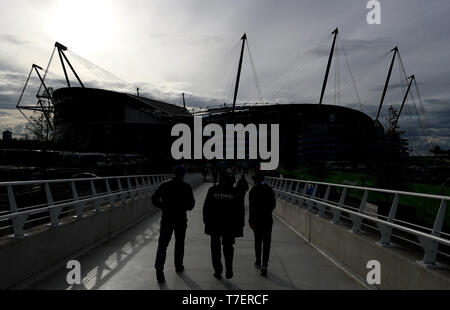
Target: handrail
(372, 189)
(78, 179)
(429, 241)
(143, 184)
(376, 220)
(70, 203)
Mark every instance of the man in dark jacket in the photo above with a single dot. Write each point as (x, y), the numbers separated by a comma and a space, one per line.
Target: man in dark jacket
(215, 176)
(175, 198)
(262, 204)
(224, 219)
(242, 185)
(242, 188)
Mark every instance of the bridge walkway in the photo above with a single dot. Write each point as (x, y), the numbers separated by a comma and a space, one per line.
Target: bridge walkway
(126, 262)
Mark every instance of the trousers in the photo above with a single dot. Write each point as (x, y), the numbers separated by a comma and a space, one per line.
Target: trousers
(217, 241)
(166, 231)
(263, 239)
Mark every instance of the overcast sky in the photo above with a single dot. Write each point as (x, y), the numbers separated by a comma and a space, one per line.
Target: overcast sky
(168, 47)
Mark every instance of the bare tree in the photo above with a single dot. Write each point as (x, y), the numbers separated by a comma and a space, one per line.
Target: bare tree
(37, 128)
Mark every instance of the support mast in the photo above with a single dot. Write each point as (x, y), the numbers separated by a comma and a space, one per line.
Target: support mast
(330, 59)
(411, 78)
(244, 38)
(388, 78)
(61, 48)
(44, 109)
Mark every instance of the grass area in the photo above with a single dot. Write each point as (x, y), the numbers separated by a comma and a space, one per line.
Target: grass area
(427, 209)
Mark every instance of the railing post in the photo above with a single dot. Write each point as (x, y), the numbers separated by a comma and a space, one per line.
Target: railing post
(146, 185)
(296, 200)
(130, 188)
(94, 193)
(78, 206)
(325, 199)
(313, 196)
(386, 231)
(139, 187)
(122, 196)
(19, 220)
(429, 246)
(297, 187)
(337, 213)
(54, 211)
(357, 221)
(137, 192)
(108, 190)
(440, 218)
(286, 185)
(287, 189)
(302, 200)
(277, 193)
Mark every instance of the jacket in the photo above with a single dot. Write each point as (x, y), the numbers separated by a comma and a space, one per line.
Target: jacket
(242, 186)
(223, 214)
(262, 203)
(174, 198)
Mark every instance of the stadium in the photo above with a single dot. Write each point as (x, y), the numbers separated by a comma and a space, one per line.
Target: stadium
(97, 120)
(90, 119)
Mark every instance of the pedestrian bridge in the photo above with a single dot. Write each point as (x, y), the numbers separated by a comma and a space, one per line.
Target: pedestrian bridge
(321, 240)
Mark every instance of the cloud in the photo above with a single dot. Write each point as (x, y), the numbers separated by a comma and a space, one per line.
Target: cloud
(177, 39)
(13, 39)
(193, 47)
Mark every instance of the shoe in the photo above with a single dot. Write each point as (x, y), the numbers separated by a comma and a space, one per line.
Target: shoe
(229, 275)
(160, 277)
(258, 265)
(218, 275)
(179, 269)
(264, 271)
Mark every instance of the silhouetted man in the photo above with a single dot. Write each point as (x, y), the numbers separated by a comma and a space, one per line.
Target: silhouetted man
(215, 177)
(175, 198)
(242, 188)
(224, 219)
(262, 204)
(204, 173)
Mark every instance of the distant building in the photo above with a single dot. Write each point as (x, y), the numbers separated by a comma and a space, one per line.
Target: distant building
(7, 135)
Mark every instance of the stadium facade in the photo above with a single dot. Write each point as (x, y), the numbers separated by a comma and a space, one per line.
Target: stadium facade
(97, 120)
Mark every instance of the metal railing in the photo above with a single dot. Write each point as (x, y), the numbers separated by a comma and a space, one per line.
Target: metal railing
(30, 204)
(315, 196)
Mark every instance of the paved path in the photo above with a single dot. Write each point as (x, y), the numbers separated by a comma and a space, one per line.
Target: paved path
(126, 262)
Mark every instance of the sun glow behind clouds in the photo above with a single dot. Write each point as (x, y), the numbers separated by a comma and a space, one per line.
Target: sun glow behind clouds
(83, 24)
